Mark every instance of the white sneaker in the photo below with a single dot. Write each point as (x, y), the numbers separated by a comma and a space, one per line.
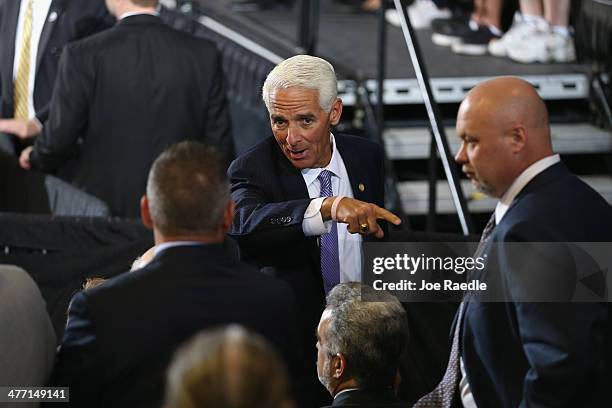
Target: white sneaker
(421, 14)
(517, 34)
(544, 47)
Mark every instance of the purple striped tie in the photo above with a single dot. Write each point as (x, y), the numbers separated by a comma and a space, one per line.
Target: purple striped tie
(330, 262)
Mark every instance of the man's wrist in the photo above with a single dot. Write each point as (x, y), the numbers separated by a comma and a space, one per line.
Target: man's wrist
(326, 208)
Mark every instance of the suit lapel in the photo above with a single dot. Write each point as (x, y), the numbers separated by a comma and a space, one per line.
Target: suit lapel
(358, 176)
(9, 37)
(52, 20)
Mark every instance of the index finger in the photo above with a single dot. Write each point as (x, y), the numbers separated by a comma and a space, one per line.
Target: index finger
(382, 214)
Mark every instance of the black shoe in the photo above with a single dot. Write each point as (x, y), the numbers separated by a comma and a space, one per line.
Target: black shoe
(475, 43)
(447, 32)
(456, 19)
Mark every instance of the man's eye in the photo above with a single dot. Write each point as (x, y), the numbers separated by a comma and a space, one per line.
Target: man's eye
(278, 122)
(307, 121)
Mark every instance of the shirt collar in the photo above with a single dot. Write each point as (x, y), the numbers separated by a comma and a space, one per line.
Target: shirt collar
(520, 182)
(162, 247)
(136, 13)
(345, 390)
(311, 174)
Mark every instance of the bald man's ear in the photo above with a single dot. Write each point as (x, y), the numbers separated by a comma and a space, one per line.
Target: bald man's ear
(518, 139)
(336, 112)
(339, 365)
(145, 214)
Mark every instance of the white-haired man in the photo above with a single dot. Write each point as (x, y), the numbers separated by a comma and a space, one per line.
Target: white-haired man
(295, 190)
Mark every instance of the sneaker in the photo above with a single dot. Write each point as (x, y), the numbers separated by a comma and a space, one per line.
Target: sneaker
(421, 14)
(451, 31)
(518, 33)
(544, 47)
(475, 42)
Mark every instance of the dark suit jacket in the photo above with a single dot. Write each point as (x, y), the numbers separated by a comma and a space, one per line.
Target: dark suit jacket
(541, 354)
(121, 335)
(129, 93)
(271, 198)
(76, 19)
(367, 399)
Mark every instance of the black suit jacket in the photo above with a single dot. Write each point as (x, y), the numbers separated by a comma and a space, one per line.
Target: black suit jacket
(71, 21)
(121, 335)
(271, 198)
(367, 399)
(122, 97)
(541, 354)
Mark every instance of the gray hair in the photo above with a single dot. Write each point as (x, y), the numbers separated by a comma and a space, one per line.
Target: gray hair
(187, 189)
(372, 335)
(227, 367)
(303, 71)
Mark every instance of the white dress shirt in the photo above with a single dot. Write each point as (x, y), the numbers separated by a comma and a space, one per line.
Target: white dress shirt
(349, 245)
(40, 10)
(135, 13)
(467, 399)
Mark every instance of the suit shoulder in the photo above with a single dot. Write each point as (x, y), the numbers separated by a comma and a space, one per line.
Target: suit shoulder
(361, 144)
(257, 156)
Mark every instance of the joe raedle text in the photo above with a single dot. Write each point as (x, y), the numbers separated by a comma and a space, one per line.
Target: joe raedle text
(426, 286)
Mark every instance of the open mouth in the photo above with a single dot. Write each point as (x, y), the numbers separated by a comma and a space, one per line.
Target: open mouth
(297, 154)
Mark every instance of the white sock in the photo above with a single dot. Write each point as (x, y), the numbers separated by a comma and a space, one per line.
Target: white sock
(562, 30)
(495, 30)
(535, 21)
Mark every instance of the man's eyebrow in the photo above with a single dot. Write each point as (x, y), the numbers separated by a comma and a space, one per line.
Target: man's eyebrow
(275, 117)
(305, 115)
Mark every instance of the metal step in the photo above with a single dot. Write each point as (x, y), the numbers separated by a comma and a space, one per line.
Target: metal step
(414, 195)
(453, 90)
(583, 138)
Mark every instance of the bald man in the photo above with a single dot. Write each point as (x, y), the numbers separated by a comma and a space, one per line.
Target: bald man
(519, 354)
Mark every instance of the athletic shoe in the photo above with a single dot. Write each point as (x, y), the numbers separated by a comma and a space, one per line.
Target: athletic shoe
(475, 42)
(518, 33)
(451, 31)
(545, 47)
(421, 14)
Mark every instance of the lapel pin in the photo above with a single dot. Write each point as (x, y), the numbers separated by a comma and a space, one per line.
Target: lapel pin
(53, 16)
(361, 187)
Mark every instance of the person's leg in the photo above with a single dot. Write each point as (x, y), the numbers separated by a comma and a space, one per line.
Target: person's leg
(557, 12)
(479, 10)
(532, 8)
(492, 14)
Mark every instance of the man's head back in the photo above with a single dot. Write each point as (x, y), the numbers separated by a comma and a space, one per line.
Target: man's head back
(302, 100)
(360, 342)
(503, 126)
(227, 367)
(188, 194)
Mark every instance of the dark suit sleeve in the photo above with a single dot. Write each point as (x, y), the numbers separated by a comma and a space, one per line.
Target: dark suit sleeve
(218, 122)
(76, 365)
(260, 223)
(67, 117)
(562, 341)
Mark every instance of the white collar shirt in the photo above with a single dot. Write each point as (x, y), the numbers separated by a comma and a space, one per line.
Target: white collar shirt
(349, 245)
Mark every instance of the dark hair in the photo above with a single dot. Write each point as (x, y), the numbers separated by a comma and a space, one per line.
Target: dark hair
(187, 189)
